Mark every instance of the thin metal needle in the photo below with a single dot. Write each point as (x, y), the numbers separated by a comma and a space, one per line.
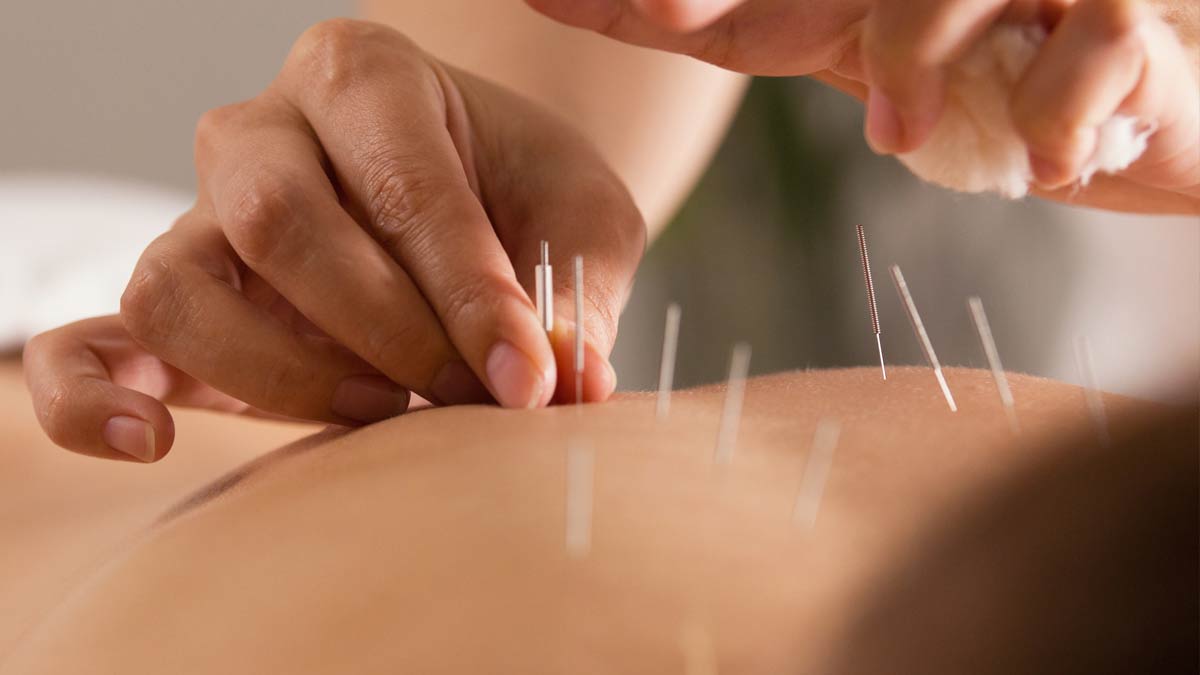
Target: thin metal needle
(579, 356)
(816, 472)
(739, 367)
(1091, 391)
(871, 307)
(544, 282)
(922, 336)
(699, 655)
(666, 368)
(581, 461)
(993, 357)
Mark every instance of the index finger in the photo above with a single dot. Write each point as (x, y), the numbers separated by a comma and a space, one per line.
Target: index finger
(401, 145)
(79, 406)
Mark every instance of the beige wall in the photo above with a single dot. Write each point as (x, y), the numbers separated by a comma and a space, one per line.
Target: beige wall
(115, 87)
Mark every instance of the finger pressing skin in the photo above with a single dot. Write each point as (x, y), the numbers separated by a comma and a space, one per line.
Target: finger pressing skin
(904, 47)
(1107, 57)
(263, 173)
(400, 144)
(77, 404)
(546, 182)
(179, 308)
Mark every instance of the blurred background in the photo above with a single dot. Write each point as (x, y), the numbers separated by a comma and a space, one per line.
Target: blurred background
(95, 159)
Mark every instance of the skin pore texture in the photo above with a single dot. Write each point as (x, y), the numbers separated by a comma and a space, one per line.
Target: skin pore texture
(434, 542)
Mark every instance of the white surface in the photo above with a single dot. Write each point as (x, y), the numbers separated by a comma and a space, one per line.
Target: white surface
(69, 243)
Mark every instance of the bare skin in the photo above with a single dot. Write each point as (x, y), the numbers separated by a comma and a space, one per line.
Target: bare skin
(61, 512)
(434, 541)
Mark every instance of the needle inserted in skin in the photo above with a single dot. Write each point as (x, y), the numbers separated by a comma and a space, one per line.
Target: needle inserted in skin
(544, 282)
(580, 479)
(816, 472)
(919, 328)
(699, 655)
(871, 307)
(993, 357)
(666, 369)
(1091, 391)
(739, 367)
(579, 330)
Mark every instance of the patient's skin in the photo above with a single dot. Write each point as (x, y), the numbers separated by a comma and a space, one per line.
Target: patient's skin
(434, 542)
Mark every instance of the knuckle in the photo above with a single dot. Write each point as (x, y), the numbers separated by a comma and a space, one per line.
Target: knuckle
(214, 125)
(54, 415)
(466, 301)
(147, 305)
(331, 54)
(259, 221)
(336, 53)
(401, 200)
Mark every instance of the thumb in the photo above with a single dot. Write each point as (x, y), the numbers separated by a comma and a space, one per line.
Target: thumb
(559, 190)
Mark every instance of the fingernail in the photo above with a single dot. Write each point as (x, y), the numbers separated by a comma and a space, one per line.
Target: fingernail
(885, 130)
(131, 436)
(1046, 172)
(369, 398)
(515, 379)
(456, 384)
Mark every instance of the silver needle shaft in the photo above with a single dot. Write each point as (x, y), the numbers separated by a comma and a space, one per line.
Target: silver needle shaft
(1091, 391)
(919, 328)
(666, 368)
(993, 357)
(816, 472)
(544, 282)
(580, 484)
(871, 306)
(731, 415)
(699, 654)
(579, 356)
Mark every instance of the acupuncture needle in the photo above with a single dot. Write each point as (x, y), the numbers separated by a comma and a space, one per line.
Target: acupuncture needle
(579, 356)
(871, 306)
(544, 283)
(919, 328)
(816, 472)
(699, 653)
(1091, 390)
(993, 357)
(666, 369)
(581, 461)
(739, 367)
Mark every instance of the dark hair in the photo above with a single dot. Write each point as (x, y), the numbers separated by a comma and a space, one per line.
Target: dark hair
(1084, 564)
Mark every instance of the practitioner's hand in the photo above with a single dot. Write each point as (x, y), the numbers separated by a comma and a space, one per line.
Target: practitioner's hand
(1102, 57)
(366, 227)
